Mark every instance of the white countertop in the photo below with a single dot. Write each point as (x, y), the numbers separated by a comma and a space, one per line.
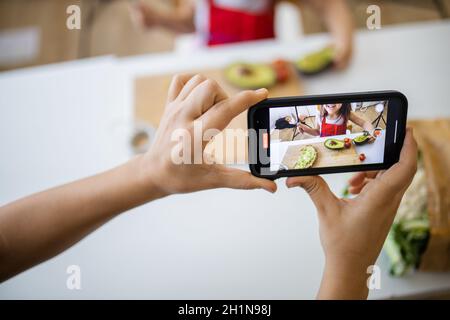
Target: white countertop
(66, 121)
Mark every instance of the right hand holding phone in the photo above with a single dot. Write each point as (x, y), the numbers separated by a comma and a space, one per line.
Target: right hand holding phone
(352, 231)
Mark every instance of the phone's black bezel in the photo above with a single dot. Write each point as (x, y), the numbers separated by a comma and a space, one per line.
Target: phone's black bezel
(258, 118)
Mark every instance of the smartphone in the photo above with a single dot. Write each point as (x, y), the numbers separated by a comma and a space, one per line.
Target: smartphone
(311, 135)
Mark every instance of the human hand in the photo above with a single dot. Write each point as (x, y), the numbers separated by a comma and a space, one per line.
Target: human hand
(352, 231)
(194, 100)
(342, 53)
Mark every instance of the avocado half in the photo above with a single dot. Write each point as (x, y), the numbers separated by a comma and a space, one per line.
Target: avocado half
(334, 144)
(362, 139)
(316, 62)
(250, 75)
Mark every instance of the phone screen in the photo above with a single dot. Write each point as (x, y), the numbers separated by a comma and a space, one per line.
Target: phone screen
(327, 135)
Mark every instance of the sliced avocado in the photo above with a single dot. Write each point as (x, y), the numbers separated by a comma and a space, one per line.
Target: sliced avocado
(361, 139)
(250, 75)
(316, 62)
(307, 157)
(334, 144)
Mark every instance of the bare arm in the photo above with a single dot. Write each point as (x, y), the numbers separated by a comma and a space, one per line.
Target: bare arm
(304, 128)
(179, 19)
(312, 131)
(338, 20)
(42, 225)
(366, 125)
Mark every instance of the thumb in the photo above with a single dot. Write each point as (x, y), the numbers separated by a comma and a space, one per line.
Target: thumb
(317, 189)
(239, 179)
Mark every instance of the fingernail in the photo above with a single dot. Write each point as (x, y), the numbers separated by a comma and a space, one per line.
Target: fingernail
(261, 91)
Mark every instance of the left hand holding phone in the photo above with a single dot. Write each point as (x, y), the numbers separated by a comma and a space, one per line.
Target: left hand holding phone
(38, 227)
(190, 99)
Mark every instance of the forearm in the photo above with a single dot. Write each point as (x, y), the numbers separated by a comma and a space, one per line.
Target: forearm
(368, 126)
(338, 20)
(180, 19)
(183, 22)
(311, 131)
(343, 283)
(42, 225)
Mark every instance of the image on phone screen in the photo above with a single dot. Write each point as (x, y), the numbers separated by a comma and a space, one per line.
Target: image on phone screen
(327, 135)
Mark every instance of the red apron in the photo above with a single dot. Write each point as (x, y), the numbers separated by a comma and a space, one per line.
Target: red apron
(328, 129)
(230, 25)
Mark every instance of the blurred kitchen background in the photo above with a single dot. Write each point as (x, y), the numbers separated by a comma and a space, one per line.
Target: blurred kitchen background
(33, 32)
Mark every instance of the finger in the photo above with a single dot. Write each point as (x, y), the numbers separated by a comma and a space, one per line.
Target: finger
(176, 85)
(357, 189)
(190, 85)
(342, 55)
(400, 175)
(204, 96)
(340, 63)
(239, 179)
(317, 189)
(380, 173)
(359, 177)
(220, 115)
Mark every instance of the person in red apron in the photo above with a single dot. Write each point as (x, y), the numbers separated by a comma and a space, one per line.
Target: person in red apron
(333, 121)
(220, 22)
(333, 129)
(229, 24)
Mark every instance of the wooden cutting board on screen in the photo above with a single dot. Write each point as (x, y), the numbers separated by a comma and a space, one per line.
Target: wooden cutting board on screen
(151, 92)
(325, 157)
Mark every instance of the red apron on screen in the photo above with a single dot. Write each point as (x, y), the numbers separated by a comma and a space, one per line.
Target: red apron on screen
(228, 25)
(328, 129)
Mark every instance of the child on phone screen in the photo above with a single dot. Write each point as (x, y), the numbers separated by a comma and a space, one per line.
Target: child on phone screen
(332, 120)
